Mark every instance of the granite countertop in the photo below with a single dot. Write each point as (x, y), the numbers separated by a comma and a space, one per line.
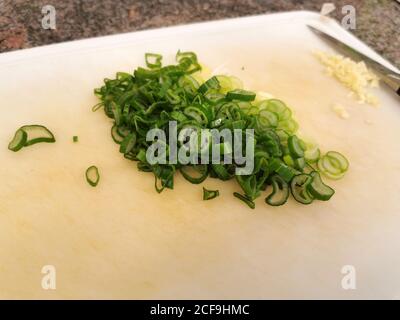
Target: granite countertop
(378, 21)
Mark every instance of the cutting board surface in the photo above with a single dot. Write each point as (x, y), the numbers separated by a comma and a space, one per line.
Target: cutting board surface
(123, 240)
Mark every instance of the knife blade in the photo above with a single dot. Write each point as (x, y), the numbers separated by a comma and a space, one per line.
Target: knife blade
(388, 76)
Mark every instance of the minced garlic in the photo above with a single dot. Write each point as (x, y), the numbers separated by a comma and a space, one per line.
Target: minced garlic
(354, 75)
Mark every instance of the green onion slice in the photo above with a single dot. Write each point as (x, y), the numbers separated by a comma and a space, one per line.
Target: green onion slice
(318, 189)
(300, 163)
(267, 119)
(343, 162)
(333, 174)
(164, 177)
(312, 154)
(153, 60)
(210, 194)
(245, 199)
(92, 176)
(330, 165)
(214, 97)
(285, 171)
(29, 135)
(333, 165)
(128, 143)
(210, 84)
(287, 158)
(280, 191)
(197, 113)
(241, 95)
(225, 84)
(283, 136)
(299, 188)
(123, 131)
(18, 141)
(186, 55)
(289, 125)
(115, 134)
(276, 106)
(37, 133)
(294, 147)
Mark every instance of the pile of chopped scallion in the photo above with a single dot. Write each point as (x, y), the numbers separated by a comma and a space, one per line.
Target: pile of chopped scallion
(152, 97)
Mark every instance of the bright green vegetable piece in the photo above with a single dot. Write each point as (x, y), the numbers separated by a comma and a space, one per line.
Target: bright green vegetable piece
(294, 147)
(299, 188)
(318, 189)
(210, 194)
(241, 95)
(92, 176)
(18, 141)
(280, 192)
(37, 133)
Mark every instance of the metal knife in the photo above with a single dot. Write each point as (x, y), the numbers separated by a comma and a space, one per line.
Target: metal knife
(390, 77)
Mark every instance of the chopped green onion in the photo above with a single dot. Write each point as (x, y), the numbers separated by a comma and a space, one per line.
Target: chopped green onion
(97, 106)
(186, 55)
(295, 147)
(318, 189)
(210, 84)
(75, 138)
(300, 163)
(245, 199)
(210, 194)
(29, 135)
(285, 171)
(276, 106)
(153, 96)
(343, 162)
(37, 133)
(127, 144)
(289, 160)
(18, 141)
(153, 60)
(333, 165)
(123, 131)
(225, 84)
(280, 192)
(283, 136)
(330, 165)
(267, 119)
(117, 137)
(240, 94)
(92, 176)
(312, 154)
(288, 125)
(299, 188)
(214, 97)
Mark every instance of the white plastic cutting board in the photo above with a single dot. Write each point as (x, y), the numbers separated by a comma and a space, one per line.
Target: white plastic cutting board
(123, 240)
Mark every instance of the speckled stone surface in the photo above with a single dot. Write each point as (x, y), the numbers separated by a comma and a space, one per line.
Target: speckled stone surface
(378, 21)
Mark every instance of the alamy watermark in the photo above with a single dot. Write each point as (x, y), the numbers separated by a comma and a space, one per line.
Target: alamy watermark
(49, 279)
(49, 18)
(193, 145)
(349, 277)
(348, 21)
